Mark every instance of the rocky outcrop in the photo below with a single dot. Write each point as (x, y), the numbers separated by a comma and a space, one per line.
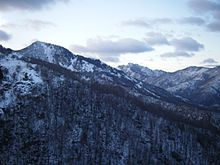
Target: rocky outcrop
(4, 50)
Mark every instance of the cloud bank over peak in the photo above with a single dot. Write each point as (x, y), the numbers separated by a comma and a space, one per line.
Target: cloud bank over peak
(187, 44)
(184, 47)
(109, 50)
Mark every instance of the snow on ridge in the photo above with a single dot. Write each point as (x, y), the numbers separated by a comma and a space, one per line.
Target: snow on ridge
(87, 67)
(48, 51)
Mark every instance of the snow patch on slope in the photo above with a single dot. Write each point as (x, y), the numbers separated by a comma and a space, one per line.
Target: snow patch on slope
(20, 69)
(87, 67)
(72, 63)
(19, 78)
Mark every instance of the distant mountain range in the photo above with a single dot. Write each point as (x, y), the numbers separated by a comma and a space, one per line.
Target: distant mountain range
(61, 108)
(198, 85)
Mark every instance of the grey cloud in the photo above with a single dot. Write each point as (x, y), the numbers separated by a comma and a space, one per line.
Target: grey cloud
(156, 39)
(186, 44)
(204, 5)
(216, 15)
(192, 21)
(214, 26)
(109, 50)
(38, 24)
(4, 36)
(161, 21)
(209, 61)
(147, 23)
(150, 23)
(177, 54)
(26, 4)
(139, 23)
(121, 46)
(184, 47)
(30, 24)
(211, 8)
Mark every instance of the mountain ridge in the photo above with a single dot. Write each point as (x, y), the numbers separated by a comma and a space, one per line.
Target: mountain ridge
(61, 108)
(189, 83)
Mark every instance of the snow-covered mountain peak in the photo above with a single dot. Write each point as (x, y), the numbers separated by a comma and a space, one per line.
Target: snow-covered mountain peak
(47, 52)
(191, 71)
(198, 84)
(53, 54)
(40, 44)
(140, 72)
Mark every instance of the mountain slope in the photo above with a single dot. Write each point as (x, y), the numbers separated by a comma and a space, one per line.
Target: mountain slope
(93, 70)
(59, 108)
(198, 84)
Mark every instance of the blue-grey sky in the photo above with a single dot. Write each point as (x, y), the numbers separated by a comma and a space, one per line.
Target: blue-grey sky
(159, 34)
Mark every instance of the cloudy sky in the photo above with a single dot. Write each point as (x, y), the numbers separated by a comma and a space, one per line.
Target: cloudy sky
(159, 34)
